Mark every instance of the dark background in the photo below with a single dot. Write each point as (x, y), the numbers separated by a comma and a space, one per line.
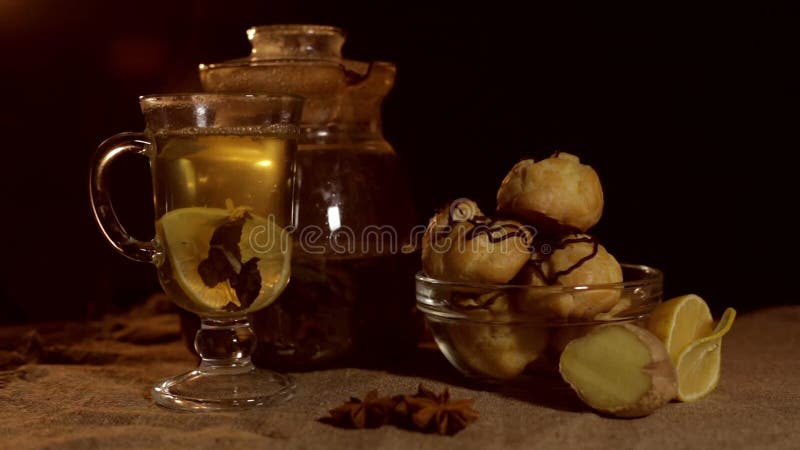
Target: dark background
(684, 114)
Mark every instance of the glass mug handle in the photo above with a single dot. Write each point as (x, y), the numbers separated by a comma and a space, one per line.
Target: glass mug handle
(107, 220)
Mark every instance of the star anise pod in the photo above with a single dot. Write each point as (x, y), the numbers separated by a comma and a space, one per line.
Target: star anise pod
(371, 412)
(437, 413)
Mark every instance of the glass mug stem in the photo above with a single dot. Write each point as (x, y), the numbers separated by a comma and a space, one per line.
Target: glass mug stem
(225, 344)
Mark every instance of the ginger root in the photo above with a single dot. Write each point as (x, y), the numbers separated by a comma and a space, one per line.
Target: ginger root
(622, 370)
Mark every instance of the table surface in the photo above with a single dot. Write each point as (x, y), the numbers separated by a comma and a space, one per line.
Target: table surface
(86, 386)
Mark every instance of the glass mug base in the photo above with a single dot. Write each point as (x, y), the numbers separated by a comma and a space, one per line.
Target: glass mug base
(223, 389)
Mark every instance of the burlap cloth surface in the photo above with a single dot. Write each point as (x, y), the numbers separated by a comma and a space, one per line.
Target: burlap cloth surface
(86, 386)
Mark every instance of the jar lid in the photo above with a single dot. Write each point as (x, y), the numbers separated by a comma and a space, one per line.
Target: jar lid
(304, 44)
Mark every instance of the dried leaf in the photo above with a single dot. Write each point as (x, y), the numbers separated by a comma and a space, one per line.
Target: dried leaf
(247, 283)
(224, 261)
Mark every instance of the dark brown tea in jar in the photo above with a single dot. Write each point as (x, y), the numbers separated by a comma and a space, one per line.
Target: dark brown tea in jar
(340, 307)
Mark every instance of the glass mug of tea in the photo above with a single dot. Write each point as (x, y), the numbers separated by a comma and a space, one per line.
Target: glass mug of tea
(222, 168)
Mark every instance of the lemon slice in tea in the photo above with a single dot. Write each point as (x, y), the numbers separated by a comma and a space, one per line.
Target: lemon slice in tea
(698, 365)
(187, 235)
(679, 322)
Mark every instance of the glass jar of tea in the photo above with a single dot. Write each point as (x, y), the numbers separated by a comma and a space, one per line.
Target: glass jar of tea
(351, 289)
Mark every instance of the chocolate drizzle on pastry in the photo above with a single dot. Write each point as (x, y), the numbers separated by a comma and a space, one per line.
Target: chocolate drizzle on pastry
(551, 234)
(562, 243)
(482, 226)
(495, 232)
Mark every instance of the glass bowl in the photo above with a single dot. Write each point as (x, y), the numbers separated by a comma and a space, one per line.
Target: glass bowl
(497, 332)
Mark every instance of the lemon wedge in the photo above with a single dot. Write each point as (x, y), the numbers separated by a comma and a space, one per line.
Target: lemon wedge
(698, 365)
(186, 234)
(679, 322)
